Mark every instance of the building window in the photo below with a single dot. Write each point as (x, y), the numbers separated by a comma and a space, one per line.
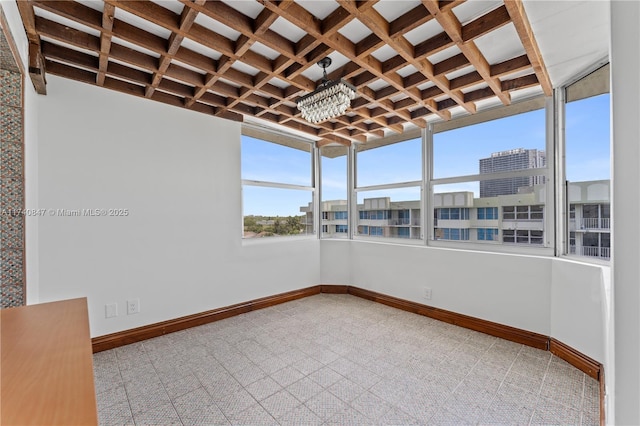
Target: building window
(376, 231)
(453, 234)
(340, 216)
(341, 228)
(453, 213)
(487, 213)
(522, 236)
(325, 228)
(277, 191)
(535, 212)
(403, 232)
(487, 234)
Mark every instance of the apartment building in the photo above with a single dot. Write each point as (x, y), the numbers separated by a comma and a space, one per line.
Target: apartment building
(508, 161)
(515, 219)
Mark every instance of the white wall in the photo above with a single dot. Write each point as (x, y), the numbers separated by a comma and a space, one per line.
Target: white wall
(178, 174)
(579, 306)
(625, 128)
(508, 289)
(560, 298)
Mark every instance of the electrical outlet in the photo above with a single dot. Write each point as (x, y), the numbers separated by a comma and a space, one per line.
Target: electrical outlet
(133, 306)
(427, 293)
(110, 310)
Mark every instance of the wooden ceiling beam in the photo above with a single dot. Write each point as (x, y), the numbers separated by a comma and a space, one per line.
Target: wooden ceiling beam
(37, 64)
(108, 14)
(516, 11)
(453, 28)
(187, 18)
(376, 23)
(297, 15)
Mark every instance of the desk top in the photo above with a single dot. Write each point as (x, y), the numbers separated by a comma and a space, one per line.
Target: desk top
(47, 365)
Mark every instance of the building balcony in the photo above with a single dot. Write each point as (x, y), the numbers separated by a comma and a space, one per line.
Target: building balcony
(399, 222)
(595, 223)
(600, 252)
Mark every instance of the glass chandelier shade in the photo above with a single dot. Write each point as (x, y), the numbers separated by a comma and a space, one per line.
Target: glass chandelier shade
(330, 99)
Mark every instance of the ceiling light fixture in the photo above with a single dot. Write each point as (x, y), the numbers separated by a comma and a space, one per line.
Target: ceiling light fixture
(330, 99)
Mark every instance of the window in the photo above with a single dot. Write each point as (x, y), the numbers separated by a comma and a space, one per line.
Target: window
(523, 212)
(487, 234)
(587, 165)
(453, 214)
(341, 228)
(454, 234)
(376, 231)
(334, 189)
(277, 190)
(340, 215)
(388, 189)
(489, 171)
(523, 236)
(487, 213)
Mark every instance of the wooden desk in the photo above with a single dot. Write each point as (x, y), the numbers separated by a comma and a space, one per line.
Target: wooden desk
(47, 365)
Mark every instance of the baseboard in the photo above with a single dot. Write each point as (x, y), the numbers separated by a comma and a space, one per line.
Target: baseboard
(579, 360)
(134, 335)
(513, 334)
(561, 350)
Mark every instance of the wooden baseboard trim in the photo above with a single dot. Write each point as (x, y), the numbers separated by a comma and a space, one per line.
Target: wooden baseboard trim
(513, 334)
(561, 350)
(603, 407)
(334, 289)
(589, 366)
(138, 334)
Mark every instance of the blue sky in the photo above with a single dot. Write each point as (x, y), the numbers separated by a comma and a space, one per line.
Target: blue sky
(456, 153)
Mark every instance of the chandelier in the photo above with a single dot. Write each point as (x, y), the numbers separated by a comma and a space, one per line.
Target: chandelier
(330, 99)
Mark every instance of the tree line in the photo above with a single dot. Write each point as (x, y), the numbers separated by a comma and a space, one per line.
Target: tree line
(274, 225)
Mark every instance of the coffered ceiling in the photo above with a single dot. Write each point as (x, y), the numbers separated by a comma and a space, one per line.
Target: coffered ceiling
(411, 61)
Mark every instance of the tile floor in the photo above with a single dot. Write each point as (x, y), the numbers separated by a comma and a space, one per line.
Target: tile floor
(338, 360)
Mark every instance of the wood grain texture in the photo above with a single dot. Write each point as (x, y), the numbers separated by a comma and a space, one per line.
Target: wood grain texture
(579, 360)
(47, 365)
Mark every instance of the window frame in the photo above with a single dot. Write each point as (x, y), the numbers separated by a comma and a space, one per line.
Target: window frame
(547, 171)
(290, 142)
(356, 215)
(555, 213)
(563, 95)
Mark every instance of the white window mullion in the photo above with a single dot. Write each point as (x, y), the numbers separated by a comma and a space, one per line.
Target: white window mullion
(427, 184)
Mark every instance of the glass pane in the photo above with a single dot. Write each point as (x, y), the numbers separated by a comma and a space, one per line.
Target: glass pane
(334, 192)
(276, 212)
(271, 162)
(491, 147)
(392, 213)
(395, 163)
(587, 128)
(511, 219)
